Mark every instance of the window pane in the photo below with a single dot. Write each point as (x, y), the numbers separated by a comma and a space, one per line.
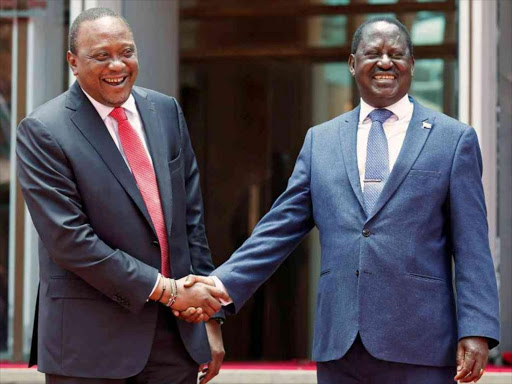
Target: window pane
(332, 91)
(428, 28)
(433, 84)
(382, 1)
(328, 31)
(336, 2)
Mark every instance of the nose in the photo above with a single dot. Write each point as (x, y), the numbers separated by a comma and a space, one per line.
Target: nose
(385, 62)
(116, 64)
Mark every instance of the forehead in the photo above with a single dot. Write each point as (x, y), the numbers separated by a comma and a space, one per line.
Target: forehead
(102, 32)
(382, 32)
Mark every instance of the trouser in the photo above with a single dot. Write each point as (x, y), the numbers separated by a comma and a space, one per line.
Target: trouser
(168, 363)
(358, 366)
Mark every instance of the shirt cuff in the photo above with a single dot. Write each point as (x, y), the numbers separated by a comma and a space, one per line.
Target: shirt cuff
(221, 286)
(156, 285)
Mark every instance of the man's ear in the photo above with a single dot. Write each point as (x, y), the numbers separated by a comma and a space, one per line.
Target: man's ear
(351, 64)
(72, 61)
(412, 66)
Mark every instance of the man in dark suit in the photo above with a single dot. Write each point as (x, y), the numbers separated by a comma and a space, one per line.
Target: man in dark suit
(111, 182)
(395, 191)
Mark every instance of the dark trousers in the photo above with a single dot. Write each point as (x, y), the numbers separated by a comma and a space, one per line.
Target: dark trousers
(168, 363)
(358, 366)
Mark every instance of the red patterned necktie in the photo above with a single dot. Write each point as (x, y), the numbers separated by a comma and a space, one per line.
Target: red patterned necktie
(146, 181)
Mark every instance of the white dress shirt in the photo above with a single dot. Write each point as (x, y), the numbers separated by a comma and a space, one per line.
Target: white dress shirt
(135, 121)
(395, 129)
(133, 118)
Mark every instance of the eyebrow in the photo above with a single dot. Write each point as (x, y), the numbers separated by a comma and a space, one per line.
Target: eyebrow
(377, 46)
(100, 47)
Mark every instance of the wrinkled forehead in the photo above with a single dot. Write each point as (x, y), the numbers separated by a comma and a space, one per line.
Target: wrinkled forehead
(383, 33)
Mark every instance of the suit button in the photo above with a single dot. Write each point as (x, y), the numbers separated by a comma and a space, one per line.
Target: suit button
(357, 272)
(155, 243)
(366, 232)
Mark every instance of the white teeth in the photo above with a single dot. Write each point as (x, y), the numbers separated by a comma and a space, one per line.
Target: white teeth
(114, 81)
(379, 77)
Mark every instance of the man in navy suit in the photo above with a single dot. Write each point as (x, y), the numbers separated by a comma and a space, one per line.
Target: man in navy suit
(395, 191)
(111, 182)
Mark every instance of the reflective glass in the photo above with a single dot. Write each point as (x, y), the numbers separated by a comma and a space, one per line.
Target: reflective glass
(332, 91)
(427, 86)
(428, 28)
(337, 2)
(328, 31)
(434, 84)
(382, 1)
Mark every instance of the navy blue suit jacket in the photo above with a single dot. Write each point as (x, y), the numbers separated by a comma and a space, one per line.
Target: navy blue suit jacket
(98, 251)
(386, 274)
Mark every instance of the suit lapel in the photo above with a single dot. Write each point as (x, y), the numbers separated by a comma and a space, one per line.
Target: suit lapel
(158, 147)
(348, 139)
(415, 138)
(89, 122)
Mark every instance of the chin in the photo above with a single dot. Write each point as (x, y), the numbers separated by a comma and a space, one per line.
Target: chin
(390, 98)
(385, 92)
(117, 101)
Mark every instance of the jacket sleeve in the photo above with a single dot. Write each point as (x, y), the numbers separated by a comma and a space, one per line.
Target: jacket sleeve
(475, 280)
(55, 205)
(275, 237)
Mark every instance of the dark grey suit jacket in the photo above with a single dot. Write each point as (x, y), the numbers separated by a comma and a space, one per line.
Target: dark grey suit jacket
(98, 251)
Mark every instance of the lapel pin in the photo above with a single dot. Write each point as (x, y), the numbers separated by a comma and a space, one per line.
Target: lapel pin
(425, 125)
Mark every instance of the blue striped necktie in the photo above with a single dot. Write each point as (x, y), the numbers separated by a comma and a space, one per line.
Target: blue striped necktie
(377, 159)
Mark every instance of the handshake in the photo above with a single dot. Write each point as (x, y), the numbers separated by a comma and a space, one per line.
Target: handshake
(192, 298)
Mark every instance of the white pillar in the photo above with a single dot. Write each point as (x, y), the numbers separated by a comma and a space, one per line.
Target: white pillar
(12, 189)
(45, 38)
(478, 37)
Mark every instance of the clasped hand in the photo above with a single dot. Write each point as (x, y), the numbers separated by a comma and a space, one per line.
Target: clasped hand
(198, 299)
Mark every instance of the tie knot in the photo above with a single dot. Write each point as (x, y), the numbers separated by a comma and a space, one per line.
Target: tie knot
(380, 115)
(118, 114)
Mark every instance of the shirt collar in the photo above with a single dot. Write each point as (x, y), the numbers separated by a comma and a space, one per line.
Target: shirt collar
(399, 109)
(104, 110)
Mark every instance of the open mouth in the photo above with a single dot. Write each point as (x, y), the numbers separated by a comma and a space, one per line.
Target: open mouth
(384, 77)
(115, 81)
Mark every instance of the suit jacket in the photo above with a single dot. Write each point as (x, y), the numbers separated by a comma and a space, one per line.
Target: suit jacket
(98, 251)
(386, 274)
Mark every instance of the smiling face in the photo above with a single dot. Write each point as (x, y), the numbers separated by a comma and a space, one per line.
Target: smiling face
(105, 63)
(382, 65)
